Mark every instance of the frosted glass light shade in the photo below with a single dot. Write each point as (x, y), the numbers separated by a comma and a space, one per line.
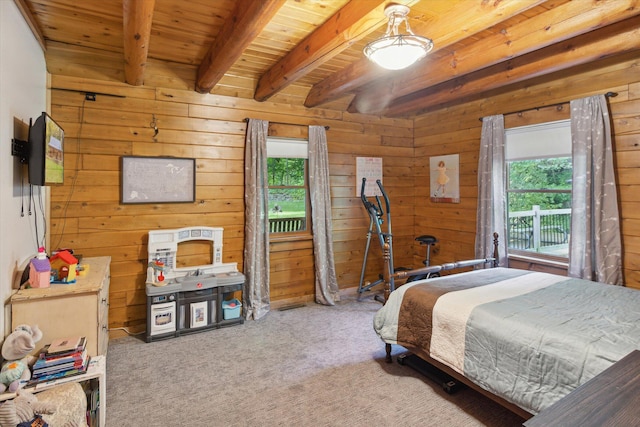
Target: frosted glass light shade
(398, 51)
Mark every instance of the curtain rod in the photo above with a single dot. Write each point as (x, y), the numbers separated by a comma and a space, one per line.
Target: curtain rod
(246, 119)
(608, 95)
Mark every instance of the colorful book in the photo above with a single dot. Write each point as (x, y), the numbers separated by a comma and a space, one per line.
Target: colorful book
(63, 345)
(47, 353)
(54, 370)
(60, 374)
(43, 361)
(43, 365)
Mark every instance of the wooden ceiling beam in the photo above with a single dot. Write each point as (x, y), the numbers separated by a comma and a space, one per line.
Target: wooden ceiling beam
(137, 16)
(245, 24)
(555, 26)
(351, 23)
(470, 18)
(610, 41)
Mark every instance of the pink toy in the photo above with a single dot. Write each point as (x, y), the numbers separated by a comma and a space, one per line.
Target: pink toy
(40, 270)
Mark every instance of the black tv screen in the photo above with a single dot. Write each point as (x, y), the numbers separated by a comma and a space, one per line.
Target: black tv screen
(46, 152)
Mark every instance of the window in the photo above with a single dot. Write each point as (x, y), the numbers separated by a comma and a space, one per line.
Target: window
(539, 175)
(288, 186)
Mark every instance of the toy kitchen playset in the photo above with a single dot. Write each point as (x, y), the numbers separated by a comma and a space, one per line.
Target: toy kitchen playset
(189, 299)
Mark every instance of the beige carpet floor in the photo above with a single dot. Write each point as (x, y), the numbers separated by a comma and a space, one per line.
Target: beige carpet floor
(309, 366)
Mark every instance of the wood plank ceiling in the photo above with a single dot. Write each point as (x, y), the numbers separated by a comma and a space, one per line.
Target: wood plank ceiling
(479, 45)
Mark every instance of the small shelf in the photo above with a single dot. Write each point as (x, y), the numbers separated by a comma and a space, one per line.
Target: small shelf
(96, 370)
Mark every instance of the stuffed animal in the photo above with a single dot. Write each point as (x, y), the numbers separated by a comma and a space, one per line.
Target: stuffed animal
(23, 408)
(16, 352)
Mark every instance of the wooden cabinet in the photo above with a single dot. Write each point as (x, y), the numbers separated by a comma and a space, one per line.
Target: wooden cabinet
(610, 399)
(80, 308)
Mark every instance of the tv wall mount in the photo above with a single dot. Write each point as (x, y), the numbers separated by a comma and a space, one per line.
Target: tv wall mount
(20, 149)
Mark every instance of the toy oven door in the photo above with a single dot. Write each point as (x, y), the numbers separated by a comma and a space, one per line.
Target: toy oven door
(163, 318)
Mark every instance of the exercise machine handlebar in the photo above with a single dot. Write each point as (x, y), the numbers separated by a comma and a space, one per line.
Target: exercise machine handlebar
(371, 207)
(384, 194)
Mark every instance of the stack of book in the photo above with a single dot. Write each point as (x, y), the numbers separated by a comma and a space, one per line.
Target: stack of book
(60, 359)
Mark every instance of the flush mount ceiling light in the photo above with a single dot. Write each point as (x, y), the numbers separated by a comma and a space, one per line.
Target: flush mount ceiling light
(396, 51)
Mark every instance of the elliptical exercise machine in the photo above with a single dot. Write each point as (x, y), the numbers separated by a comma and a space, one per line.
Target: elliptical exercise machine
(378, 216)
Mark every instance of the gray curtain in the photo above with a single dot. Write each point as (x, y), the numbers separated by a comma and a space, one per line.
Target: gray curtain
(594, 245)
(492, 209)
(256, 242)
(327, 291)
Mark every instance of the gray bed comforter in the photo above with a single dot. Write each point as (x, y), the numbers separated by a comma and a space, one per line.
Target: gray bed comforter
(528, 337)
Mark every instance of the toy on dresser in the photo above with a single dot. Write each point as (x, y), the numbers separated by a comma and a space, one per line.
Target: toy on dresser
(40, 270)
(16, 355)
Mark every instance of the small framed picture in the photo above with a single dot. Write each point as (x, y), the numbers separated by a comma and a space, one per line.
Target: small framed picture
(445, 179)
(199, 314)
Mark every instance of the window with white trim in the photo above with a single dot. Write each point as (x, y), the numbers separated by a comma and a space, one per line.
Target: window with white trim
(288, 186)
(539, 176)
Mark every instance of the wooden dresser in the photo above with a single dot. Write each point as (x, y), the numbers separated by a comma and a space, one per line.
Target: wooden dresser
(80, 308)
(610, 399)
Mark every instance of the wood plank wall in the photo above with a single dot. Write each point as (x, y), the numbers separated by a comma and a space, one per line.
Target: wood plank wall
(86, 214)
(437, 134)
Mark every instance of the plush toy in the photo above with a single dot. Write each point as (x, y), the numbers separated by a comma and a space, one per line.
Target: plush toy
(16, 351)
(23, 408)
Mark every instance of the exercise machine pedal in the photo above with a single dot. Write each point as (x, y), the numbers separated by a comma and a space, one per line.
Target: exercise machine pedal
(448, 383)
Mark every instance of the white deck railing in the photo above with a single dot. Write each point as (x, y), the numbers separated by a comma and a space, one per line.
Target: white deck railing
(538, 228)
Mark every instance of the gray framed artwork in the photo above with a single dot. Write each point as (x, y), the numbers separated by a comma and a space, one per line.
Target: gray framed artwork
(157, 180)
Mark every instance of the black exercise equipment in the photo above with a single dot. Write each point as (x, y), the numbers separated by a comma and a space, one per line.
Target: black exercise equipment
(428, 241)
(380, 215)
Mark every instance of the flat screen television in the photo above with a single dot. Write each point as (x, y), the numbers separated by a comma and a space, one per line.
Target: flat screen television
(46, 152)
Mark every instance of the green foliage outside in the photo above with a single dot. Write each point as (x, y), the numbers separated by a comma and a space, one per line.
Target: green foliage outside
(546, 183)
(287, 201)
(285, 172)
(540, 174)
(285, 208)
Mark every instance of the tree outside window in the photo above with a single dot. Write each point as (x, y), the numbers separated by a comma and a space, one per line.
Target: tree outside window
(288, 195)
(539, 183)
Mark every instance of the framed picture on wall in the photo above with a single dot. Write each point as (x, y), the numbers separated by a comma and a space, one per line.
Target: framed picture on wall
(157, 180)
(444, 179)
(371, 169)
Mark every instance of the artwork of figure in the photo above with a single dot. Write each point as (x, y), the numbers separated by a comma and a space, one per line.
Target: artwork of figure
(442, 180)
(445, 181)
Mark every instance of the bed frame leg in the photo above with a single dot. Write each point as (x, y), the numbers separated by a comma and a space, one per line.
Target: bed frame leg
(387, 347)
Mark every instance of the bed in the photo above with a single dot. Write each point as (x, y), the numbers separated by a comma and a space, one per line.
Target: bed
(524, 338)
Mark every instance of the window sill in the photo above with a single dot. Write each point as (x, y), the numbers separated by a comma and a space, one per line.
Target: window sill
(283, 238)
(291, 242)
